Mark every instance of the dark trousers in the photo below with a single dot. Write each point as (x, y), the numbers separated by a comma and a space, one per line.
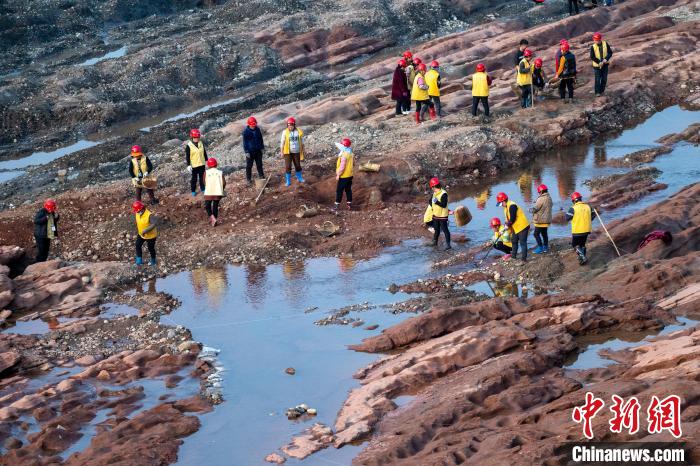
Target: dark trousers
(502, 247)
(197, 174)
(484, 102)
(541, 236)
(42, 248)
(601, 79)
(403, 105)
(519, 240)
(441, 224)
(435, 100)
(288, 159)
(344, 185)
(526, 99)
(150, 243)
(566, 84)
(422, 106)
(151, 194)
(212, 207)
(573, 6)
(579, 240)
(255, 156)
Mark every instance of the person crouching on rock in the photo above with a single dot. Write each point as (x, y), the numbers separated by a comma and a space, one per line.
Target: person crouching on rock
(146, 232)
(501, 238)
(480, 89)
(542, 218)
(581, 216)
(196, 158)
(399, 89)
(343, 173)
(539, 80)
(214, 185)
(419, 94)
(517, 221)
(292, 150)
(253, 146)
(139, 168)
(441, 213)
(45, 229)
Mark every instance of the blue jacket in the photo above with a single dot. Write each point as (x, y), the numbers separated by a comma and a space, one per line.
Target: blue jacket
(252, 140)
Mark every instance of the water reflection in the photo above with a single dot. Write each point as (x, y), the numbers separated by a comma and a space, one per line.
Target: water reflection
(256, 281)
(525, 185)
(600, 153)
(295, 273)
(148, 286)
(504, 289)
(482, 198)
(210, 282)
(346, 264)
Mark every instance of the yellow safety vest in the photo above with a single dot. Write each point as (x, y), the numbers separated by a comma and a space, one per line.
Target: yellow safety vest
(581, 223)
(214, 182)
(139, 164)
(480, 85)
(525, 79)
(143, 221)
(347, 172)
(428, 215)
(416, 92)
(285, 147)
(598, 54)
(520, 222)
(504, 234)
(440, 212)
(196, 154)
(431, 79)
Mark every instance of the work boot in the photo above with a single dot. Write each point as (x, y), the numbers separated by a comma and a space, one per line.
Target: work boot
(581, 255)
(287, 179)
(506, 257)
(212, 220)
(545, 249)
(194, 193)
(300, 179)
(434, 243)
(417, 118)
(139, 260)
(538, 250)
(448, 247)
(433, 114)
(152, 262)
(349, 205)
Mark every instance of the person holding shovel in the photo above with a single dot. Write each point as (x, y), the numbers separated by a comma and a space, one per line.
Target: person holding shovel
(343, 173)
(146, 232)
(581, 216)
(214, 185)
(45, 229)
(139, 168)
(441, 212)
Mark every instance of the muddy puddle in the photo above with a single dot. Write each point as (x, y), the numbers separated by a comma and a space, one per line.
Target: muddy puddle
(40, 326)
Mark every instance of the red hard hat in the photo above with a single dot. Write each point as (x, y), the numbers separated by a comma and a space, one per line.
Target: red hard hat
(211, 162)
(422, 67)
(563, 41)
(565, 47)
(501, 197)
(135, 150)
(542, 188)
(252, 122)
(402, 63)
(576, 196)
(495, 222)
(407, 54)
(417, 61)
(434, 182)
(597, 36)
(434, 64)
(538, 63)
(137, 206)
(291, 121)
(194, 133)
(527, 53)
(346, 142)
(481, 67)
(50, 205)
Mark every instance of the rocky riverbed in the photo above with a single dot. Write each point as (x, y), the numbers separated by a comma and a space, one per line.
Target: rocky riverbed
(92, 367)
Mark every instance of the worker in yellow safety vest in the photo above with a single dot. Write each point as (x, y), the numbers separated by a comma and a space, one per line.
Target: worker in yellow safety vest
(480, 89)
(441, 212)
(432, 78)
(501, 238)
(524, 79)
(581, 216)
(419, 93)
(139, 168)
(146, 232)
(292, 150)
(601, 53)
(196, 158)
(517, 222)
(343, 173)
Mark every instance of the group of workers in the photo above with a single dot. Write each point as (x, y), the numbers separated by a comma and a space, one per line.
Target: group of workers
(413, 81)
